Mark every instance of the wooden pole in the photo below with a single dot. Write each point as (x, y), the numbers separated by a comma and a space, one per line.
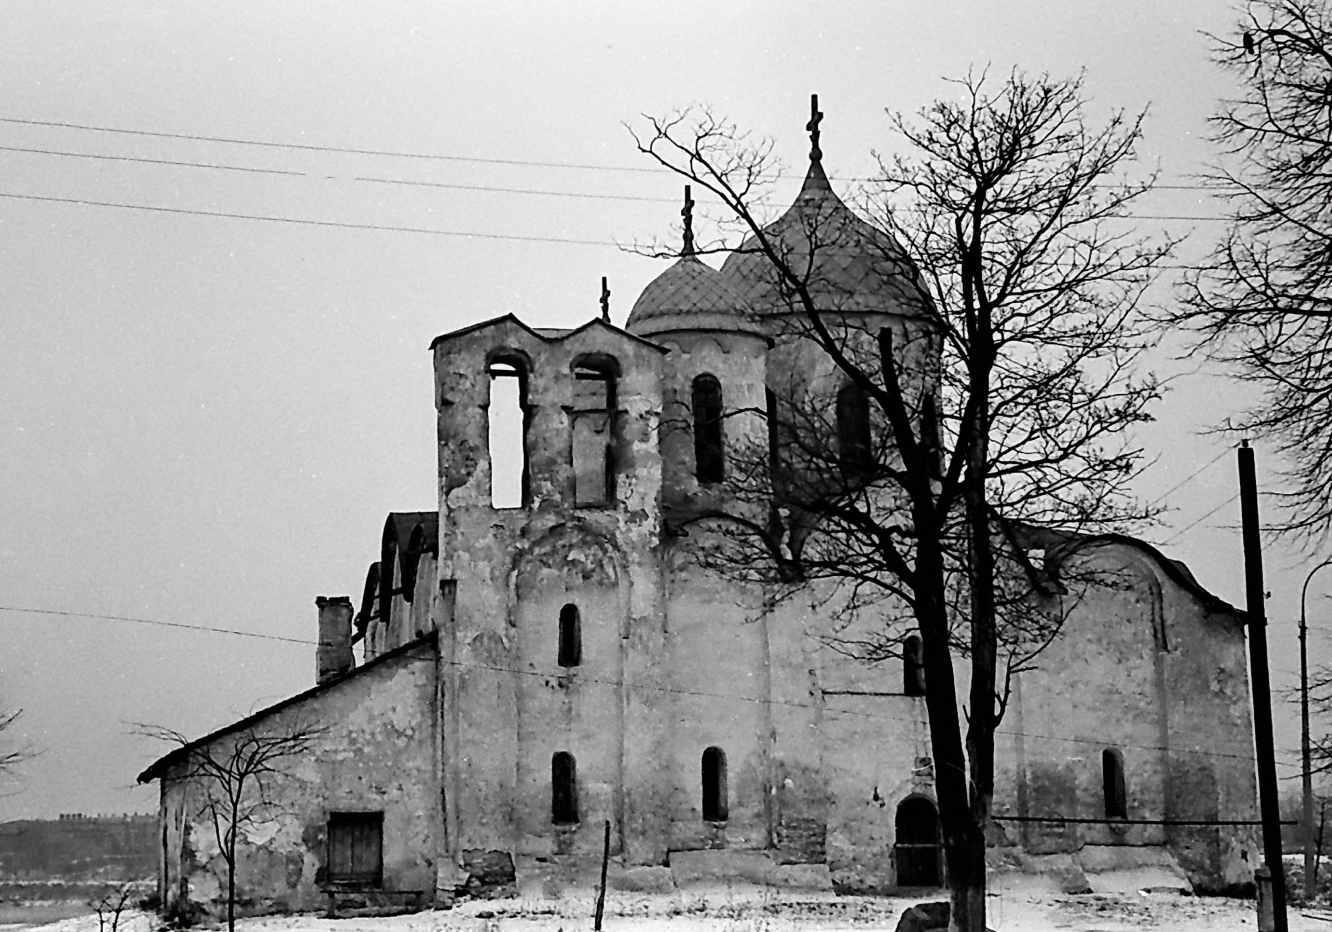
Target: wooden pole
(1262, 699)
(601, 892)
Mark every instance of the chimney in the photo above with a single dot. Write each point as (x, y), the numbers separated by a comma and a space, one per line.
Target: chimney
(334, 655)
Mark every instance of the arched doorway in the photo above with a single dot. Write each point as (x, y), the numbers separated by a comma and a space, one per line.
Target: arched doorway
(918, 847)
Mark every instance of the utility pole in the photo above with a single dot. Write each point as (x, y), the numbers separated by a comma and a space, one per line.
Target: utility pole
(1262, 699)
(1306, 769)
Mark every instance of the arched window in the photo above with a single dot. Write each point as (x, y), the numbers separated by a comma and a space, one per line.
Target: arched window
(410, 562)
(571, 637)
(715, 804)
(506, 426)
(913, 666)
(1112, 772)
(563, 789)
(709, 461)
(593, 421)
(918, 846)
(855, 454)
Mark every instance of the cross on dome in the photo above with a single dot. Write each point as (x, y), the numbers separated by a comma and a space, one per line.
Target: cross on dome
(688, 214)
(815, 117)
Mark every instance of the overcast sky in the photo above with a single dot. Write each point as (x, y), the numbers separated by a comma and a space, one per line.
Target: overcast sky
(206, 417)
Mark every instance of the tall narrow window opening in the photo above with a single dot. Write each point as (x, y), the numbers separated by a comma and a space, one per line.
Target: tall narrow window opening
(1112, 772)
(855, 454)
(563, 789)
(593, 419)
(356, 848)
(774, 440)
(709, 458)
(913, 666)
(571, 637)
(715, 803)
(918, 847)
(506, 416)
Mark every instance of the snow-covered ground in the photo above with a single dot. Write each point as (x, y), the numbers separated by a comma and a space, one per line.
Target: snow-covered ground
(755, 910)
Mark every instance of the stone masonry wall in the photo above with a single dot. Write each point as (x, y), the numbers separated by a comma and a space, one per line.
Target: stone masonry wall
(375, 752)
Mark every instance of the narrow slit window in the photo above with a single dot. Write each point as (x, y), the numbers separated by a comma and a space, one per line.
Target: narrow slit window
(593, 434)
(563, 789)
(571, 637)
(855, 454)
(1116, 796)
(913, 666)
(709, 458)
(774, 439)
(715, 803)
(506, 419)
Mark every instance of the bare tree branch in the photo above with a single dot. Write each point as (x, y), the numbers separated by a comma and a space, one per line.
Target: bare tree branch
(233, 774)
(996, 374)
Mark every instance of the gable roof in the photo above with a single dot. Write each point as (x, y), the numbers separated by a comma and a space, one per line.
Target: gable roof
(1066, 544)
(546, 335)
(158, 767)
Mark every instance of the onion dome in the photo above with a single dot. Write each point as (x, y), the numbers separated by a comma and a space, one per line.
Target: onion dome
(691, 295)
(856, 267)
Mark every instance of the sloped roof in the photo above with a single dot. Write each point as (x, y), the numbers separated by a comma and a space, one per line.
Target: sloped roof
(1067, 544)
(856, 267)
(158, 767)
(691, 295)
(546, 335)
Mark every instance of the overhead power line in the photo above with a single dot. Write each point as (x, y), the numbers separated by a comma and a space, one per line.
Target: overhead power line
(477, 187)
(427, 184)
(621, 684)
(1183, 531)
(641, 687)
(428, 156)
(306, 147)
(149, 621)
(340, 224)
(130, 158)
(1193, 475)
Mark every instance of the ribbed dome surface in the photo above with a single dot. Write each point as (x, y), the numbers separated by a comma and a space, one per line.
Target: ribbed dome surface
(690, 295)
(857, 268)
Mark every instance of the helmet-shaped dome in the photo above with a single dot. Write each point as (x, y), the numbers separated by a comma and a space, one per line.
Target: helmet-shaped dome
(856, 267)
(691, 295)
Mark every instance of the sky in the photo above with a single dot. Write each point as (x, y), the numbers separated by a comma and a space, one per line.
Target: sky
(230, 231)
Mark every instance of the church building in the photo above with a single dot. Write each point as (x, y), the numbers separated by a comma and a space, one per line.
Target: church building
(545, 661)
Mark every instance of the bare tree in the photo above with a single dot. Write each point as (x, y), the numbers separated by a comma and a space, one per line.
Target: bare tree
(233, 773)
(998, 408)
(110, 905)
(10, 755)
(1262, 301)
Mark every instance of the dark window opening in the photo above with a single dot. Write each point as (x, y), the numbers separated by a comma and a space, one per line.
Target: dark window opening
(369, 601)
(913, 666)
(709, 458)
(356, 848)
(715, 803)
(918, 848)
(506, 417)
(774, 440)
(563, 789)
(411, 562)
(855, 455)
(1112, 772)
(593, 419)
(571, 637)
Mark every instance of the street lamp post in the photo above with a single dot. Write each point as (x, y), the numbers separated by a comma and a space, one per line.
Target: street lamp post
(1306, 773)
